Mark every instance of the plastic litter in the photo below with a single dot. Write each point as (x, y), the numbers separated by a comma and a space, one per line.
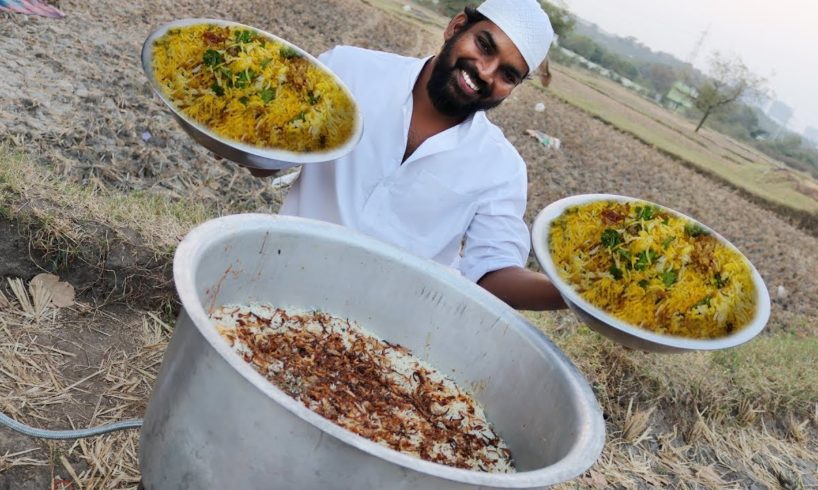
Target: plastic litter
(547, 140)
(30, 7)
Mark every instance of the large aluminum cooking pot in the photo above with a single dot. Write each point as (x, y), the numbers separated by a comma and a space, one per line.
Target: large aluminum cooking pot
(214, 422)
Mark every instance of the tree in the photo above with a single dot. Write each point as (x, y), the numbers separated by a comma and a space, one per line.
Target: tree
(729, 80)
(620, 65)
(561, 20)
(581, 45)
(660, 76)
(741, 121)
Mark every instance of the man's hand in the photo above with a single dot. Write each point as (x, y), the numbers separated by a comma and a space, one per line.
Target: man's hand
(523, 289)
(255, 172)
(260, 172)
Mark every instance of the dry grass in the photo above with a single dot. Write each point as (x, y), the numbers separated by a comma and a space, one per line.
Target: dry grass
(35, 305)
(683, 420)
(747, 412)
(637, 424)
(62, 207)
(128, 239)
(51, 379)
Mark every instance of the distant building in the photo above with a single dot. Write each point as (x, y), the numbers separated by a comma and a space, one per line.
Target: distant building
(779, 112)
(681, 97)
(811, 134)
(761, 101)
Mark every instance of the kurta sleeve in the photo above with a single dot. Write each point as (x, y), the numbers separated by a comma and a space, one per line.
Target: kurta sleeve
(326, 57)
(498, 236)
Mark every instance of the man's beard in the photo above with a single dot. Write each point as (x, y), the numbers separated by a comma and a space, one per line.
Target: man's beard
(444, 91)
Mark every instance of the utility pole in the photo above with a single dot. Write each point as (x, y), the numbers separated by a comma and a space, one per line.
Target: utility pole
(694, 53)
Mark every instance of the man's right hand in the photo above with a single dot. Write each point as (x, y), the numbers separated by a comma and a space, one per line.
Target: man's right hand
(260, 172)
(255, 172)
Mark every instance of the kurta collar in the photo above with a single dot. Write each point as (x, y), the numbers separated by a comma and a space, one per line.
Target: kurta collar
(413, 73)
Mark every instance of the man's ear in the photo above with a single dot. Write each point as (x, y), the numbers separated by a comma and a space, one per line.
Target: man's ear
(457, 23)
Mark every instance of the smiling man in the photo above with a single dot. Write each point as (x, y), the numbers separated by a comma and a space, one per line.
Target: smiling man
(431, 173)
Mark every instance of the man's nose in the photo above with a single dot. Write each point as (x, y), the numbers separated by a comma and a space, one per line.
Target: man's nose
(486, 68)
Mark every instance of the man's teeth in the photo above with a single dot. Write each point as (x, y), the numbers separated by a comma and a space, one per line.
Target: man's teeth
(468, 81)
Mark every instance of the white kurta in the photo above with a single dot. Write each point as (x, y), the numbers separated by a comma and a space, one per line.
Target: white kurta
(467, 182)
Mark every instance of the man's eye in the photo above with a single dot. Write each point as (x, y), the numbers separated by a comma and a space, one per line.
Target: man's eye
(483, 44)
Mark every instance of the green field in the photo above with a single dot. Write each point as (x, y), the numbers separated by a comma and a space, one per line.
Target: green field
(708, 151)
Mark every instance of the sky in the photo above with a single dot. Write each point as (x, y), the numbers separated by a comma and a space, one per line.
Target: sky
(776, 40)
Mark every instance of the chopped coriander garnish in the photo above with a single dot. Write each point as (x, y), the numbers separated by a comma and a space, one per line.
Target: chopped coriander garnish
(245, 78)
(289, 53)
(644, 213)
(669, 277)
(667, 242)
(694, 230)
(212, 57)
(644, 258)
(720, 283)
(243, 36)
(265, 62)
(313, 99)
(244, 100)
(644, 283)
(267, 94)
(611, 238)
(217, 89)
(704, 301)
(615, 272)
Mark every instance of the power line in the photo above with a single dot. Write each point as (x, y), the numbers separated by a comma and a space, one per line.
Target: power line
(694, 53)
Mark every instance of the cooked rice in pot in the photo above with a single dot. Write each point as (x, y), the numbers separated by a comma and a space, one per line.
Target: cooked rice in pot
(249, 88)
(653, 269)
(372, 387)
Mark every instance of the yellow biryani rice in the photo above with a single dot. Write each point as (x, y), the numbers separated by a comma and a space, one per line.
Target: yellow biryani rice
(653, 269)
(249, 88)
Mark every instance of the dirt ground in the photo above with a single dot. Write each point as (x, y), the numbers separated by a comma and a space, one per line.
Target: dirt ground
(77, 366)
(73, 94)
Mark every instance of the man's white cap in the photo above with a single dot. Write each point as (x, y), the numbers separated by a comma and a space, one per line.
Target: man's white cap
(525, 23)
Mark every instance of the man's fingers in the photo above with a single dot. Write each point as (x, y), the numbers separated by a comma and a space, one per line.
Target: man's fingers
(259, 172)
(255, 172)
